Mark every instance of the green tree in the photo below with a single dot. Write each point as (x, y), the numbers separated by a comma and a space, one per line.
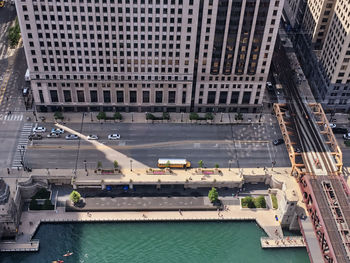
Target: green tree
(14, 34)
(260, 202)
(167, 165)
(216, 166)
(58, 115)
(101, 115)
(74, 196)
(194, 116)
(209, 116)
(239, 116)
(166, 116)
(213, 195)
(248, 202)
(117, 116)
(150, 116)
(200, 163)
(115, 163)
(99, 164)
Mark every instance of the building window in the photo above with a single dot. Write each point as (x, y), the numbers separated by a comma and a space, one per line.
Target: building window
(120, 96)
(93, 96)
(234, 97)
(41, 96)
(171, 97)
(80, 95)
(159, 96)
(67, 96)
(145, 96)
(183, 97)
(246, 97)
(211, 97)
(133, 96)
(223, 97)
(107, 96)
(54, 95)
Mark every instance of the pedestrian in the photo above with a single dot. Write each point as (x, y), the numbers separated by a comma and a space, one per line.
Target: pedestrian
(7, 98)
(10, 112)
(8, 170)
(180, 212)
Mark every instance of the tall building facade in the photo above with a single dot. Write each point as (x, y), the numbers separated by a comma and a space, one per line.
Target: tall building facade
(149, 55)
(324, 47)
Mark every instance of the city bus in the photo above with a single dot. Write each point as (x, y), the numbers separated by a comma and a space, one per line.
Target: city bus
(173, 163)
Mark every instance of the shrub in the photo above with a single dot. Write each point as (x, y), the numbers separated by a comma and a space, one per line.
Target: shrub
(274, 201)
(99, 164)
(115, 163)
(260, 202)
(58, 115)
(194, 116)
(248, 202)
(216, 166)
(213, 195)
(101, 115)
(150, 116)
(209, 116)
(74, 196)
(117, 116)
(347, 143)
(238, 116)
(166, 116)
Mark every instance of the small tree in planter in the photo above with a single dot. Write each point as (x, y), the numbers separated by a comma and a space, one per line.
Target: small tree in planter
(115, 164)
(239, 117)
(117, 116)
(74, 197)
(101, 116)
(194, 116)
(200, 163)
(150, 116)
(167, 165)
(213, 195)
(217, 166)
(166, 116)
(99, 165)
(58, 115)
(209, 116)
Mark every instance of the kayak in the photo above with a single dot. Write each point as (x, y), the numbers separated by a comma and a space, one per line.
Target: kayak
(57, 261)
(68, 254)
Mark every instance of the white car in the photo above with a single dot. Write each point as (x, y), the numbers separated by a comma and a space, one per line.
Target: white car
(39, 129)
(114, 136)
(346, 136)
(332, 125)
(92, 137)
(72, 137)
(53, 135)
(56, 130)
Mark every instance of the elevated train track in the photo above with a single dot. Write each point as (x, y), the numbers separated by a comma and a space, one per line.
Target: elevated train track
(317, 165)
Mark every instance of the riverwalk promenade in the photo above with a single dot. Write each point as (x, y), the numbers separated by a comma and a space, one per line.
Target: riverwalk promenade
(32, 220)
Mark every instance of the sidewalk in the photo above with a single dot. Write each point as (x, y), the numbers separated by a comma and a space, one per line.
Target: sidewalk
(140, 117)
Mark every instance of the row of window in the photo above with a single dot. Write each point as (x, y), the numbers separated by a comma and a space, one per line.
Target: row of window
(107, 98)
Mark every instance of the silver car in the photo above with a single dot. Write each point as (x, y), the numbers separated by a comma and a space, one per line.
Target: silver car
(72, 137)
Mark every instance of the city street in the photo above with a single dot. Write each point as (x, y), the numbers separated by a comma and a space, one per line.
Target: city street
(242, 145)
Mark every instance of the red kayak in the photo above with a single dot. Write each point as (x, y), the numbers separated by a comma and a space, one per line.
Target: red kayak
(57, 261)
(68, 254)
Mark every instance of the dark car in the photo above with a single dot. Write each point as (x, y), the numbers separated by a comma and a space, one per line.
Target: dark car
(35, 136)
(338, 130)
(278, 142)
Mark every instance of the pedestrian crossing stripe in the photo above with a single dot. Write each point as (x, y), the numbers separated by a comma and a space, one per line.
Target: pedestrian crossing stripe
(21, 146)
(11, 117)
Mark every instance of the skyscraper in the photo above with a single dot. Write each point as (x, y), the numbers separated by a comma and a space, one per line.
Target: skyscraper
(149, 55)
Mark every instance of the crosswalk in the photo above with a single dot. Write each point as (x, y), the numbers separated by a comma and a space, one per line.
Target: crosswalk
(22, 146)
(11, 117)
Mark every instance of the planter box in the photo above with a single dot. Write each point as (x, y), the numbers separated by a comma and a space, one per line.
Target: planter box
(107, 171)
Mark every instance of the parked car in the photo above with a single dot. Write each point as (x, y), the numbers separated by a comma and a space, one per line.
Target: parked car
(35, 136)
(53, 135)
(269, 86)
(297, 150)
(114, 136)
(72, 137)
(339, 130)
(346, 136)
(278, 142)
(39, 129)
(55, 130)
(332, 125)
(92, 137)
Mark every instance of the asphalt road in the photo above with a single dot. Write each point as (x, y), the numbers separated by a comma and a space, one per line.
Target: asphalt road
(9, 133)
(246, 145)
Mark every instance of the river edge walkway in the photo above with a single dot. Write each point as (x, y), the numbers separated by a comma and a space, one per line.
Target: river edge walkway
(32, 220)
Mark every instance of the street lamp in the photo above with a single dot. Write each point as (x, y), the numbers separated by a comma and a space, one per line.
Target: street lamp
(130, 165)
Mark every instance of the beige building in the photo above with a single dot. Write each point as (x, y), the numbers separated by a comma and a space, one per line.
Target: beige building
(326, 52)
(143, 55)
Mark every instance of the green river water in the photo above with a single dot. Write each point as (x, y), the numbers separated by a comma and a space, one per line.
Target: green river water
(184, 242)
